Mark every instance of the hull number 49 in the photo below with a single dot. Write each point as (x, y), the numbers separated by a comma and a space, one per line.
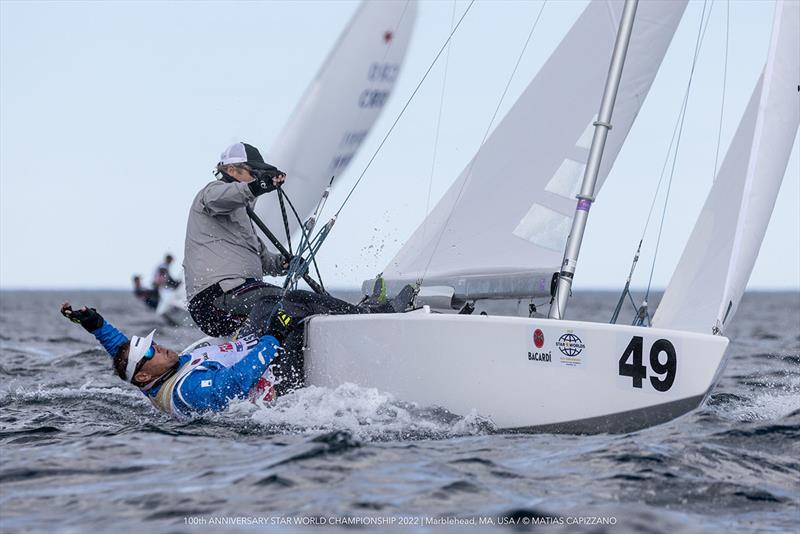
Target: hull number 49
(663, 364)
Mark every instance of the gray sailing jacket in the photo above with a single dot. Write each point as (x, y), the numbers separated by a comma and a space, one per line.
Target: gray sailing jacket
(221, 242)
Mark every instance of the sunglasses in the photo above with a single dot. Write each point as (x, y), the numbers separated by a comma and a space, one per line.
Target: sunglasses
(148, 355)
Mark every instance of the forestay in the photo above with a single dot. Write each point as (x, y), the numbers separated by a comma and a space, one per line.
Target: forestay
(504, 222)
(340, 106)
(713, 271)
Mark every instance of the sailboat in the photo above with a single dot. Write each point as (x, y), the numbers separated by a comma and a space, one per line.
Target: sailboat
(339, 108)
(331, 120)
(549, 156)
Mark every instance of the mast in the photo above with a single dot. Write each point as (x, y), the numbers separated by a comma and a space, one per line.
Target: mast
(601, 128)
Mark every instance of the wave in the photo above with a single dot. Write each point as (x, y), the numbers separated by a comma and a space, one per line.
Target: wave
(770, 405)
(366, 413)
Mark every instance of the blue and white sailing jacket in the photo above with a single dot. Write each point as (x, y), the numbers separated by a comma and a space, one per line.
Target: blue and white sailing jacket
(209, 377)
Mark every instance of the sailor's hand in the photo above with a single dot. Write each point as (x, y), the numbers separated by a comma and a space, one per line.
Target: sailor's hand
(88, 318)
(266, 178)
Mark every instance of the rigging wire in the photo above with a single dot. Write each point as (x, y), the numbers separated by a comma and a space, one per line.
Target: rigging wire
(485, 135)
(402, 111)
(699, 41)
(676, 135)
(438, 122)
(282, 195)
(724, 84)
(305, 237)
(678, 127)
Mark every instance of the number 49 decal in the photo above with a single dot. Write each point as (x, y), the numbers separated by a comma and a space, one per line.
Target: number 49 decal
(638, 372)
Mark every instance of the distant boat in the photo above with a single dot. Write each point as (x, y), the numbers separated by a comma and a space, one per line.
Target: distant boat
(518, 235)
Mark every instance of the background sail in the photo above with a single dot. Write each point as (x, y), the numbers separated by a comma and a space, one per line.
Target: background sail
(515, 200)
(339, 108)
(712, 274)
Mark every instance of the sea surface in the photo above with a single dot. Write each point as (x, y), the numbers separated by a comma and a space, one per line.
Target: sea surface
(80, 451)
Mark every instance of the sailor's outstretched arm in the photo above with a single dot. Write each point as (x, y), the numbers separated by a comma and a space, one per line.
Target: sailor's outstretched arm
(93, 322)
(204, 389)
(110, 338)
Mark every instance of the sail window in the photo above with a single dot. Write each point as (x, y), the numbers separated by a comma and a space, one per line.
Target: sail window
(585, 140)
(544, 227)
(567, 179)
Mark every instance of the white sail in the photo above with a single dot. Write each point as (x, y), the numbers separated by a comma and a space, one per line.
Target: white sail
(339, 107)
(503, 223)
(713, 271)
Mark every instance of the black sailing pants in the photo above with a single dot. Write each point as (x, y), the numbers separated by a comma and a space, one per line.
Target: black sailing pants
(251, 306)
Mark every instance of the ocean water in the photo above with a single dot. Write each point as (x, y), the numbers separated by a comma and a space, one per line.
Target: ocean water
(80, 451)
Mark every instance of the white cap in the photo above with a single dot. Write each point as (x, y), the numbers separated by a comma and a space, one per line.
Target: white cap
(138, 347)
(240, 153)
(233, 154)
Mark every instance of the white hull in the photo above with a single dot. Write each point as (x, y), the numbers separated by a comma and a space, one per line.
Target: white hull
(492, 366)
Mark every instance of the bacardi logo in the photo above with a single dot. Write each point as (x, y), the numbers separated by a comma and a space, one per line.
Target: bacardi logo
(540, 356)
(538, 338)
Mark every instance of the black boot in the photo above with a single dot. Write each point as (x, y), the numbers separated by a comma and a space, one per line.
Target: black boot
(399, 304)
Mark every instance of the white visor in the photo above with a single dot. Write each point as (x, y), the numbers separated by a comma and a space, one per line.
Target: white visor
(139, 346)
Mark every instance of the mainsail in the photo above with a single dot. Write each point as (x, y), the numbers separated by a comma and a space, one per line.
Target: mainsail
(340, 106)
(500, 229)
(713, 271)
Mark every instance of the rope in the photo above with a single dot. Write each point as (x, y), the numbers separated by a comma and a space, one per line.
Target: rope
(485, 135)
(385, 137)
(304, 239)
(285, 221)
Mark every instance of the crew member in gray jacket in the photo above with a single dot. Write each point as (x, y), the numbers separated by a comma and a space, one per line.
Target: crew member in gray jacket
(224, 260)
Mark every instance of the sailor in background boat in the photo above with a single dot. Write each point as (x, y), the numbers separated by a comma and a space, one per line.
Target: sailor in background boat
(203, 380)
(162, 276)
(150, 297)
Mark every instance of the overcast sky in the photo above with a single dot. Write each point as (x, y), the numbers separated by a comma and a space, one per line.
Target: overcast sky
(113, 114)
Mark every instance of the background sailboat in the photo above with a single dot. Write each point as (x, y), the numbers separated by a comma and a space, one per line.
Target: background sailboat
(339, 108)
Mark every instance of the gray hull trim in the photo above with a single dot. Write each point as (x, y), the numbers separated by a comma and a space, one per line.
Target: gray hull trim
(618, 423)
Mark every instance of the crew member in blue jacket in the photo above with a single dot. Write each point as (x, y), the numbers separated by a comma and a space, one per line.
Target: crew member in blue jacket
(203, 380)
